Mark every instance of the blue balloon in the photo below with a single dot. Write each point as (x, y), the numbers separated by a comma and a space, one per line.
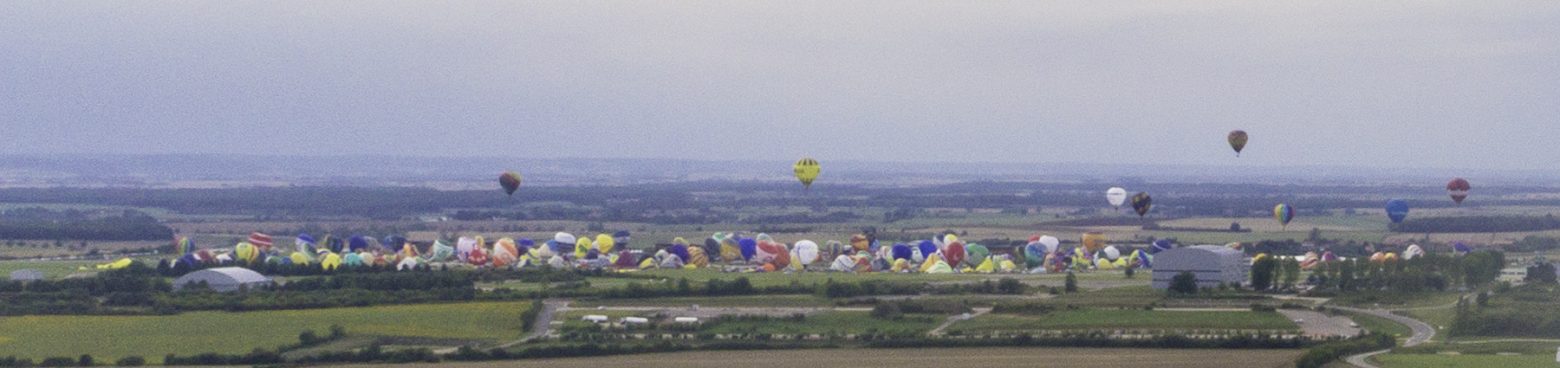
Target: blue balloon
(681, 251)
(393, 243)
(711, 249)
(621, 238)
(901, 251)
(306, 238)
(357, 243)
(1397, 210)
(525, 245)
(1034, 254)
(1461, 248)
(559, 248)
(335, 244)
(749, 247)
(1160, 246)
(927, 248)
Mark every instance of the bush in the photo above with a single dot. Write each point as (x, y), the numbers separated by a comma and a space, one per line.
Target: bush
(130, 361)
(888, 311)
(1184, 283)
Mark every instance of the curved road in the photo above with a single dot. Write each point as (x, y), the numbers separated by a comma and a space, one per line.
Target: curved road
(1422, 333)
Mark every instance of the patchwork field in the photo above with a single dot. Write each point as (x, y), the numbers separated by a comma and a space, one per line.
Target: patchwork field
(927, 358)
(153, 337)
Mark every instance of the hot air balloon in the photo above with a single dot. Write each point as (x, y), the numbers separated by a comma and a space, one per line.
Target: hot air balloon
(1458, 189)
(1413, 251)
(330, 262)
(1237, 140)
(1112, 253)
(605, 243)
(582, 246)
(261, 241)
(806, 252)
(806, 170)
(357, 243)
(246, 252)
(859, 242)
(1160, 246)
(1283, 213)
(1049, 242)
(748, 247)
(1141, 203)
(183, 245)
(1461, 248)
(680, 251)
(1397, 210)
(1116, 196)
(1093, 241)
(901, 251)
(621, 238)
(976, 254)
(510, 181)
(927, 249)
(955, 253)
(731, 248)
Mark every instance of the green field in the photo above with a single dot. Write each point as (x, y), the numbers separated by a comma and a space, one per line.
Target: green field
(1128, 296)
(1095, 319)
(722, 301)
(50, 269)
(153, 337)
(830, 323)
(1381, 325)
(1465, 361)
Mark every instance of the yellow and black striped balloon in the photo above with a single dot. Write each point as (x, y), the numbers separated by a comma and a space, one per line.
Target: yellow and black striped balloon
(806, 170)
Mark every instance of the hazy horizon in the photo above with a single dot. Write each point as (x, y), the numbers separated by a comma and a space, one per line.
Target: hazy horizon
(1460, 86)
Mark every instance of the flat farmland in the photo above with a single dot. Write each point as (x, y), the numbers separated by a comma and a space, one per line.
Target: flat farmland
(191, 333)
(924, 358)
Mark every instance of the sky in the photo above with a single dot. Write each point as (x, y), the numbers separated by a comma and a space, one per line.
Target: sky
(1437, 84)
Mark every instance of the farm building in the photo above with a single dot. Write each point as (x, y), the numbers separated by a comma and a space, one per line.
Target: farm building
(223, 279)
(26, 275)
(1212, 264)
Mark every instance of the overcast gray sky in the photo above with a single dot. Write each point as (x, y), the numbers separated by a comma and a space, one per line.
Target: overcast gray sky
(1375, 83)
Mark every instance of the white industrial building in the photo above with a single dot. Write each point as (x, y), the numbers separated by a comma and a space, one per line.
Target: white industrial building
(1213, 265)
(223, 279)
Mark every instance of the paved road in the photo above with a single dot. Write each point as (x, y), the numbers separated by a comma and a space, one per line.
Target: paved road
(1320, 325)
(955, 319)
(1422, 333)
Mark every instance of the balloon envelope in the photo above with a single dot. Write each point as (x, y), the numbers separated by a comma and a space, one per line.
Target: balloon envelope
(1397, 210)
(1050, 243)
(510, 181)
(1237, 140)
(1093, 241)
(1116, 196)
(806, 170)
(1283, 213)
(1458, 189)
(927, 249)
(1160, 246)
(1112, 253)
(806, 252)
(1141, 203)
(749, 247)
